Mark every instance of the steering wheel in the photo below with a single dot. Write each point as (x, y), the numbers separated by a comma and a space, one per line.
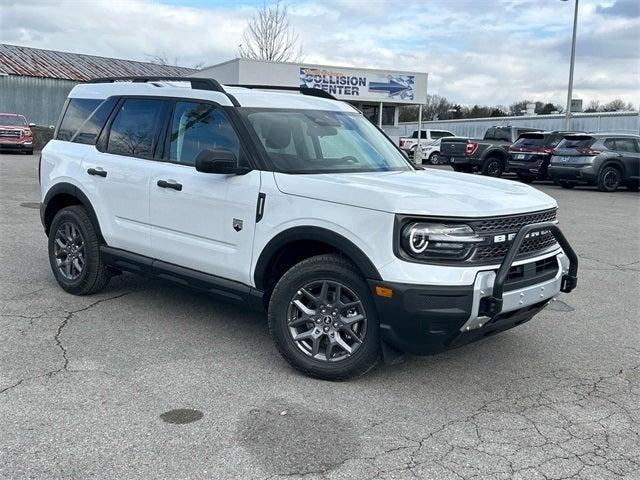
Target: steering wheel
(350, 159)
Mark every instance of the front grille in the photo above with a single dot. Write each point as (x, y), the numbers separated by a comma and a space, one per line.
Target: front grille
(512, 223)
(507, 225)
(520, 276)
(10, 133)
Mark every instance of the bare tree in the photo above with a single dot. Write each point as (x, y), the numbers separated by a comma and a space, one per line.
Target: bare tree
(269, 36)
(163, 59)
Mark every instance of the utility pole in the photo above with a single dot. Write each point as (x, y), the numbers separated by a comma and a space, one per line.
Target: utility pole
(573, 59)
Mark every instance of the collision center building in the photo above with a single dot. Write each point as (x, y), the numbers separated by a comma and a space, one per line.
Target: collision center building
(377, 93)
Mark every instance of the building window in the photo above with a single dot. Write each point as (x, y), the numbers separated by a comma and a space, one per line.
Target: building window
(388, 115)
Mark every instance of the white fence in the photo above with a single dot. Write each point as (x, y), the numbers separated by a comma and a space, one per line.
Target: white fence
(619, 122)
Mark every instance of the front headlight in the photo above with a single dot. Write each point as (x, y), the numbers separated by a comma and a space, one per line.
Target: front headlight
(438, 241)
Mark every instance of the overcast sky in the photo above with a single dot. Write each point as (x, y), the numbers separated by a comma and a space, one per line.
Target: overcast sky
(476, 51)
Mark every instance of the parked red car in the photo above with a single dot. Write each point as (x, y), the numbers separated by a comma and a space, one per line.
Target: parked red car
(15, 133)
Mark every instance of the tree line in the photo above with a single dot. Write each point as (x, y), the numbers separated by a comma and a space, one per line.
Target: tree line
(440, 108)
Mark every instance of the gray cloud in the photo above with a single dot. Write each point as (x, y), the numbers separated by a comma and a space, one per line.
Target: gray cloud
(476, 51)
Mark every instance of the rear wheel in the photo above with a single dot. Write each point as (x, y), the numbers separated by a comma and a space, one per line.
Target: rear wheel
(492, 167)
(609, 179)
(323, 320)
(74, 253)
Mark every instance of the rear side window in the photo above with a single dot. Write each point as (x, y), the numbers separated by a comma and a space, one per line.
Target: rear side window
(621, 144)
(136, 127)
(577, 141)
(77, 112)
(196, 127)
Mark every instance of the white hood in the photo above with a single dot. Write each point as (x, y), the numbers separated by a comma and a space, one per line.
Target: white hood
(421, 192)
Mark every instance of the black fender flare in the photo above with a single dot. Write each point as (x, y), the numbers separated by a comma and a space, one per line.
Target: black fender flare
(495, 152)
(65, 188)
(337, 241)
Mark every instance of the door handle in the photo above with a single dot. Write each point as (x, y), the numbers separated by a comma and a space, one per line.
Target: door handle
(169, 184)
(97, 171)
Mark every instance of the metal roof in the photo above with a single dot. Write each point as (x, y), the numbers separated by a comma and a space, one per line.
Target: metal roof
(35, 62)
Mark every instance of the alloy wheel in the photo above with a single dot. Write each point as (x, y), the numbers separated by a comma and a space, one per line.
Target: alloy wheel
(611, 179)
(327, 320)
(69, 251)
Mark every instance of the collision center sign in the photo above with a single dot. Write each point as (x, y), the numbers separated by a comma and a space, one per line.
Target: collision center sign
(352, 84)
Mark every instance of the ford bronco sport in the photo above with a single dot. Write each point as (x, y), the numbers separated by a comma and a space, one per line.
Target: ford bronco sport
(297, 203)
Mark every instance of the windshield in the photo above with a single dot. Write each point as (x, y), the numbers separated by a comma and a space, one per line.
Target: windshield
(13, 120)
(315, 141)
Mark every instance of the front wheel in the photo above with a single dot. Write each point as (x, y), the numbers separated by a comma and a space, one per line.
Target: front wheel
(323, 320)
(74, 252)
(492, 167)
(434, 158)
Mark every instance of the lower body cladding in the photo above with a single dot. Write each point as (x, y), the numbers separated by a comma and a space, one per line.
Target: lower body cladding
(535, 170)
(578, 173)
(425, 320)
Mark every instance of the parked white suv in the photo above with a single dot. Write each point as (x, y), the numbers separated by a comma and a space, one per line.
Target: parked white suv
(299, 204)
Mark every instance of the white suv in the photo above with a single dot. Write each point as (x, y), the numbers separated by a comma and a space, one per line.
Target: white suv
(296, 203)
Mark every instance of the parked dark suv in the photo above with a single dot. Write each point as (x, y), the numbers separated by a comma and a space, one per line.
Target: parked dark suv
(605, 160)
(530, 155)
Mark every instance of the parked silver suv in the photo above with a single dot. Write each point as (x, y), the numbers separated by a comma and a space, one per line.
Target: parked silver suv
(604, 159)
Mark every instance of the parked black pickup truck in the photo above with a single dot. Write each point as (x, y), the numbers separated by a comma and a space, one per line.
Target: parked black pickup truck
(488, 155)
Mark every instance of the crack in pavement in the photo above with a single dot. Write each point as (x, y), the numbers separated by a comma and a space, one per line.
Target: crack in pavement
(557, 425)
(57, 338)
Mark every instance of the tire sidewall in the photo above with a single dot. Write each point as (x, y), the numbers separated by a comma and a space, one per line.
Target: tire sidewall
(434, 158)
(361, 360)
(603, 174)
(73, 215)
(491, 161)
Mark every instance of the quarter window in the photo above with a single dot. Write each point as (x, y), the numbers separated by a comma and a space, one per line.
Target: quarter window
(78, 111)
(90, 129)
(625, 145)
(196, 127)
(136, 127)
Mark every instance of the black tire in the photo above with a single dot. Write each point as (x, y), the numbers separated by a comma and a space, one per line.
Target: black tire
(94, 275)
(526, 179)
(324, 269)
(493, 167)
(566, 185)
(434, 158)
(609, 179)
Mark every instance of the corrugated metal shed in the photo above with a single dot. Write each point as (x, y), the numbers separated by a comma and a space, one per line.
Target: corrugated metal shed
(35, 62)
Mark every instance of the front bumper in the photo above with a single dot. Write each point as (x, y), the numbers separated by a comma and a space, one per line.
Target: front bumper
(15, 145)
(578, 173)
(429, 319)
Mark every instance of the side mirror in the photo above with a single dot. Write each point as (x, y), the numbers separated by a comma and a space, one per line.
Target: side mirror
(219, 161)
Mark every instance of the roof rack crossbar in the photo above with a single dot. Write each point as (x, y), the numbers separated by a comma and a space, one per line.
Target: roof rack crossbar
(312, 92)
(197, 83)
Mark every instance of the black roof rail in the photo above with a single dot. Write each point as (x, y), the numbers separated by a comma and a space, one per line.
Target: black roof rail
(197, 83)
(312, 92)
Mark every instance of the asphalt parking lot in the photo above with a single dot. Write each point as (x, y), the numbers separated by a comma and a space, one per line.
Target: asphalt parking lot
(84, 380)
